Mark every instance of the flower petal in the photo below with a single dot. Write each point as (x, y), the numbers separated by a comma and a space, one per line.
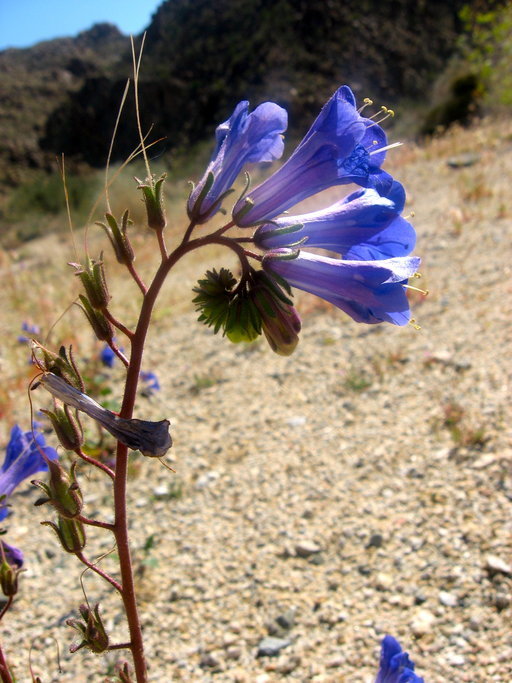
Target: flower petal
(243, 138)
(333, 152)
(363, 226)
(368, 291)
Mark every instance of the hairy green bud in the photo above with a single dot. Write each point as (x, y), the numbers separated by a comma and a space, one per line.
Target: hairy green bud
(62, 490)
(71, 534)
(153, 198)
(91, 630)
(118, 237)
(92, 276)
(101, 326)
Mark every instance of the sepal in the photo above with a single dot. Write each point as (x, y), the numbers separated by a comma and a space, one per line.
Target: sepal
(91, 629)
(92, 276)
(62, 364)
(153, 198)
(71, 534)
(118, 237)
(62, 491)
(101, 327)
(67, 427)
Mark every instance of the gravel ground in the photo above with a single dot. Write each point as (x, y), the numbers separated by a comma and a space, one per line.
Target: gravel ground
(360, 487)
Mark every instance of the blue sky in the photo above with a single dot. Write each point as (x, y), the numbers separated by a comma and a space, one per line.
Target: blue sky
(25, 22)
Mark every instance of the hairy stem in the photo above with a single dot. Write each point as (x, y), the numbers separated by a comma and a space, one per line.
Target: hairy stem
(100, 572)
(5, 674)
(120, 482)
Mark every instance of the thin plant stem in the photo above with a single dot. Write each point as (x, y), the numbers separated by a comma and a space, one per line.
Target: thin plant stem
(116, 323)
(95, 522)
(6, 607)
(120, 481)
(97, 463)
(100, 572)
(5, 674)
(161, 244)
(137, 278)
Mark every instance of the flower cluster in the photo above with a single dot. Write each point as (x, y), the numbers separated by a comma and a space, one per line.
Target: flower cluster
(26, 454)
(367, 277)
(395, 665)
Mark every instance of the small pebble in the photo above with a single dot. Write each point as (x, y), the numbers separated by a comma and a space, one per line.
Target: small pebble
(306, 549)
(270, 646)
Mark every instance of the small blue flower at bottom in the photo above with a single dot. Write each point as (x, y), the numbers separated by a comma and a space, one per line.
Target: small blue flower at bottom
(107, 356)
(368, 291)
(25, 455)
(150, 382)
(13, 555)
(395, 665)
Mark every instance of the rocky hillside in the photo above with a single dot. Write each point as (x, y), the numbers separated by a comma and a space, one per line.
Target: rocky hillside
(202, 57)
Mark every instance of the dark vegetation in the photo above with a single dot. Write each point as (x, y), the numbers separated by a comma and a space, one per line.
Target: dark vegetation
(200, 58)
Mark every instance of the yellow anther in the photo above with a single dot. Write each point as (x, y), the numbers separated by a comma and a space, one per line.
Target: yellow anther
(391, 112)
(367, 101)
(414, 324)
(417, 275)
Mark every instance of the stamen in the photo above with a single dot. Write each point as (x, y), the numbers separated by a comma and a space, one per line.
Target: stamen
(418, 275)
(414, 324)
(366, 103)
(417, 289)
(383, 149)
(410, 215)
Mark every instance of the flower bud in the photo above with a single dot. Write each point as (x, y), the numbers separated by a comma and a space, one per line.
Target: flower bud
(91, 629)
(118, 237)
(62, 364)
(62, 490)
(279, 319)
(71, 534)
(8, 579)
(101, 327)
(10, 566)
(67, 428)
(93, 279)
(153, 200)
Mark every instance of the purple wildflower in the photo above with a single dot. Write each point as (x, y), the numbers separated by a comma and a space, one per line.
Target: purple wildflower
(243, 138)
(13, 555)
(340, 147)
(363, 226)
(150, 381)
(25, 455)
(395, 665)
(107, 356)
(32, 330)
(368, 291)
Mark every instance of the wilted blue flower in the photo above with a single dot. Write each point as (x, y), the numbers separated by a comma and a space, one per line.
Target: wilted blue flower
(395, 665)
(23, 457)
(13, 555)
(368, 291)
(150, 381)
(340, 147)
(107, 356)
(243, 138)
(363, 226)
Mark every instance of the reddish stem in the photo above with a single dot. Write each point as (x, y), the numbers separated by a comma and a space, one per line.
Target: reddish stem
(97, 463)
(120, 481)
(136, 277)
(100, 572)
(116, 323)
(5, 674)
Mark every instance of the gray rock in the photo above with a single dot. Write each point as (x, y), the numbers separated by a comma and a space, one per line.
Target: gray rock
(495, 565)
(306, 549)
(271, 647)
(447, 599)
